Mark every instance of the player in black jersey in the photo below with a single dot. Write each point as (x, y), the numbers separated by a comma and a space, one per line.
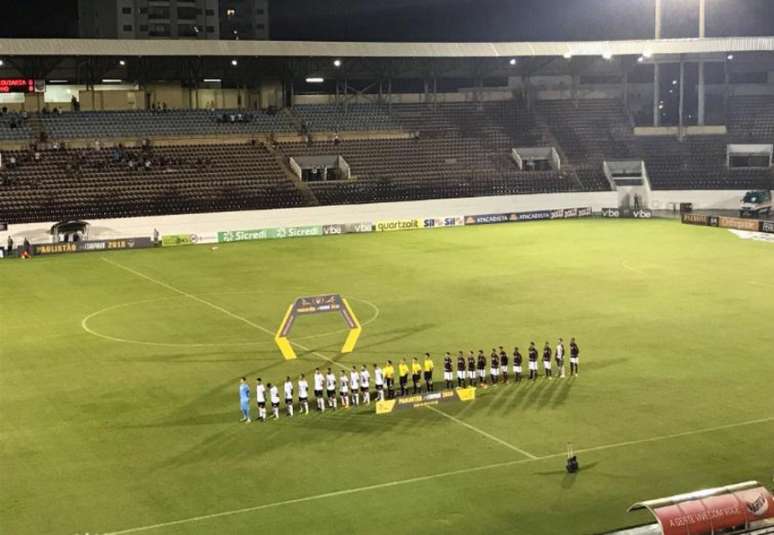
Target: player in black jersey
(516, 364)
(481, 365)
(574, 353)
(547, 360)
(460, 369)
(494, 367)
(471, 368)
(448, 375)
(533, 356)
(504, 364)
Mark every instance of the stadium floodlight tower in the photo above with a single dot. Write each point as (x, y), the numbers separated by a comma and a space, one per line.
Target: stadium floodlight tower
(656, 78)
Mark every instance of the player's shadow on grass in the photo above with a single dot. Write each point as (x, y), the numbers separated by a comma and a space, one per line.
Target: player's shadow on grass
(602, 364)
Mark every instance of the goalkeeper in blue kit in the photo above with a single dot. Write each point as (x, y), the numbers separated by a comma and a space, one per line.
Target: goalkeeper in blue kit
(244, 399)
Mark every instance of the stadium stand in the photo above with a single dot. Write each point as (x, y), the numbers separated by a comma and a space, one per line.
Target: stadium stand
(152, 124)
(71, 183)
(443, 150)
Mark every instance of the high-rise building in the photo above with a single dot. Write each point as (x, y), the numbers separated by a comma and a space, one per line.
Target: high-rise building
(244, 19)
(149, 19)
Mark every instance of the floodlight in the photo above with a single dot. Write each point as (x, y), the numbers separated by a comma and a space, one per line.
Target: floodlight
(234, 63)
(647, 54)
(212, 80)
(513, 61)
(122, 63)
(607, 55)
(567, 55)
(315, 80)
(337, 63)
(730, 57)
(2, 63)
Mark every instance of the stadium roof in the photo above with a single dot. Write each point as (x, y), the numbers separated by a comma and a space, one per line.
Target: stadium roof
(105, 47)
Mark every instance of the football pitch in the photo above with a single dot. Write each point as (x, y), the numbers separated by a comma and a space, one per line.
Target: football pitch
(119, 375)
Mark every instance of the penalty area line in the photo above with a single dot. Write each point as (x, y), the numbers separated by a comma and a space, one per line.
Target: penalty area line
(420, 479)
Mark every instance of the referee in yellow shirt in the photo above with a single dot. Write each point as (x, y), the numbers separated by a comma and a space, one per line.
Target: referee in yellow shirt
(403, 371)
(389, 378)
(427, 368)
(416, 375)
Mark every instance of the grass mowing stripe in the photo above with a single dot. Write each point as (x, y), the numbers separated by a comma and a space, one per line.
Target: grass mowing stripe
(429, 477)
(482, 432)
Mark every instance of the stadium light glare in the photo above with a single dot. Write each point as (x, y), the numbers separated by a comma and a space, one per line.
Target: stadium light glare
(111, 81)
(234, 63)
(730, 57)
(122, 63)
(2, 63)
(647, 54)
(212, 80)
(641, 59)
(607, 55)
(567, 55)
(337, 63)
(315, 80)
(513, 61)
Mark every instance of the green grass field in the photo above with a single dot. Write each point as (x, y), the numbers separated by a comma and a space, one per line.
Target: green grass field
(133, 426)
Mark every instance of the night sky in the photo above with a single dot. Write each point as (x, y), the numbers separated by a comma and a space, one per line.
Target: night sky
(448, 20)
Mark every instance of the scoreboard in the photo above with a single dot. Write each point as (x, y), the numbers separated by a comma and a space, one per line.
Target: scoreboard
(17, 85)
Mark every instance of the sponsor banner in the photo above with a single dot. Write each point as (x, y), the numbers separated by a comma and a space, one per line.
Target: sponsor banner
(91, 245)
(570, 213)
(716, 514)
(695, 219)
(399, 224)
(173, 240)
(643, 213)
(347, 228)
(767, 226)
(539, 215)
(486, 219)
(584, 212)
(270, 233)
(422, 400)
(713, 221)
(749, 235)
(439, 222)
(739, 223)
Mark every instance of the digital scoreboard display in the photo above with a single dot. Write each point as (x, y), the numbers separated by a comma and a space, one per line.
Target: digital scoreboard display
(17, 85)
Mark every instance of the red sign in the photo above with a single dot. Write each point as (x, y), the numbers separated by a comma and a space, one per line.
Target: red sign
(709, 515)
(17, 85)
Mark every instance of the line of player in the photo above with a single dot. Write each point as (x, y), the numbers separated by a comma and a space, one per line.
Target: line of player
(350, 388)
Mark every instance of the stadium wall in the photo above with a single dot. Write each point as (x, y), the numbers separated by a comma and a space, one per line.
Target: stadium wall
(208, 225)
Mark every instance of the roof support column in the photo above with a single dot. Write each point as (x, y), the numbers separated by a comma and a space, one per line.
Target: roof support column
(656, 95)
(702, 34)
(682, 98)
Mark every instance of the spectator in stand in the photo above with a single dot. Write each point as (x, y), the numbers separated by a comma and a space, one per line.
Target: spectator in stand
(9, 246)
(12, 162)
(74, 104)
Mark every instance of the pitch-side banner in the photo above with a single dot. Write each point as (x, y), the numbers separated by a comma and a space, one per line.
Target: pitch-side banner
(439, 222)
(767, 226)
(91, 245)
(422, 400)
(717, 513)
(535, 215)
(270, 233)
(399, 224)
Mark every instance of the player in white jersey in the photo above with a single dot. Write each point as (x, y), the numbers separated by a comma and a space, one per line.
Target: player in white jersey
(319, 382)
(330, 387)
(260, 399)
(560, 357)
(303, 394)
(274, 398)
(365, 379)
(289, 395)
(354, 384)
(344, 388)
(379, 382)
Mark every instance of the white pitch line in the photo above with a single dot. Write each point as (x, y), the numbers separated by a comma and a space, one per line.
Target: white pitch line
(482, 432)
(319, 497)
(218, 308)
(420, 479)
